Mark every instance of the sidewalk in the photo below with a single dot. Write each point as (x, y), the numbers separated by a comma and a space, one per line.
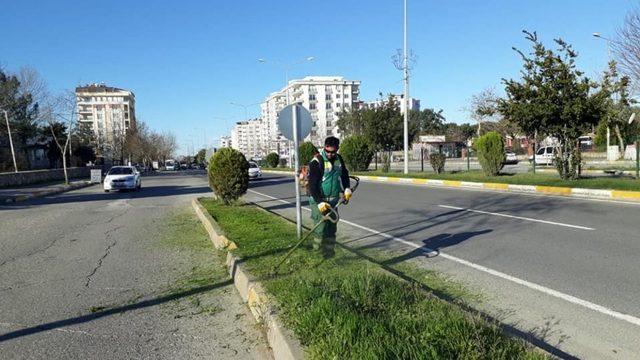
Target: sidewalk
(10, 195)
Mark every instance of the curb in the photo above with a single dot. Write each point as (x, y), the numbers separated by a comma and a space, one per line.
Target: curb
(596, 194)
(282, 341)
(43, 193)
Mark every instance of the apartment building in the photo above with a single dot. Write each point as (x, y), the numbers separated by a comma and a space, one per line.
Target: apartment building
(324, 96)
(414, 104)
(225, 142)
(247, 137)
(110, 112)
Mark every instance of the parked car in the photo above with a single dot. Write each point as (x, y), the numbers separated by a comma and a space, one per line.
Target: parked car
(545, 155)
(122, 178)
(254, 171)
(510, 158)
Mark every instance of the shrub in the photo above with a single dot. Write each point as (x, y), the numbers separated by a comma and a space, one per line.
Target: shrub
(357, 152)
(491, 153)
(273, 159)
(385, 159)
(228, 174)
(307, 152)
(437, 162)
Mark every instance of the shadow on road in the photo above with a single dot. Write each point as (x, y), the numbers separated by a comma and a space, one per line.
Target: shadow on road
(117, 310)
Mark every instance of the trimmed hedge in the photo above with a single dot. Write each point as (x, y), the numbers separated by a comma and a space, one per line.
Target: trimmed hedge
(228, 174)
(357, 152)
(491, 153)
(272, 160)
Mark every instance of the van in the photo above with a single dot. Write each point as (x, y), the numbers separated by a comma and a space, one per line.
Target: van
(545, 155)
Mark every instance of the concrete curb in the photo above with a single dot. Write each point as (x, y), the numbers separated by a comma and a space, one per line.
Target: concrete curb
(597, 194)
(282, 341)
(38, 194)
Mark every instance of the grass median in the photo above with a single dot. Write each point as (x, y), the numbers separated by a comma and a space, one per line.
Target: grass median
(541, 179)
(350, 308)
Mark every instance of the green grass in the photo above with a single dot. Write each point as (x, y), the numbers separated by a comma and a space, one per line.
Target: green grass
(350, 308)
(543, 179)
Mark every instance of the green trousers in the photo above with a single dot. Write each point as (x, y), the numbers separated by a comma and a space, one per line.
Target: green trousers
(325, 233)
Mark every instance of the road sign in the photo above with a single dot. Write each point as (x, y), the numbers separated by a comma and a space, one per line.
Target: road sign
(285, 122)
(96, 176)
(294, 122)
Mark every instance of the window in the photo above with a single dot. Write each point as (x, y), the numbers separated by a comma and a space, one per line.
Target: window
(338, 105)
(312, 97)
(346, 95)
(541, 151)
(312, 106)
(337, 96)
(327, 97)
(328, 106)
(549, 150)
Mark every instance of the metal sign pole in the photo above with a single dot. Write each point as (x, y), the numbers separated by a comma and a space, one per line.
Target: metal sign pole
(296, 149)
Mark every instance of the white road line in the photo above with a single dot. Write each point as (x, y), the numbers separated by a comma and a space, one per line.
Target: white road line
(517, 217)
(557, 294)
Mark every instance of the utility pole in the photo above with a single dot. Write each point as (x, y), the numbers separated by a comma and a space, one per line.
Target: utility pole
(406, 95)
(13, 153)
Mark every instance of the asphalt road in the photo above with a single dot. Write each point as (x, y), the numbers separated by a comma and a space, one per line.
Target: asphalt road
(66, 257)
(563, 270)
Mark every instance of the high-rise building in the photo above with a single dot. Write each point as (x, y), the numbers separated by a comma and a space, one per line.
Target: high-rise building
(414, 104)
(324, 96)
(109, 111)
(247, 137)
(225, 142)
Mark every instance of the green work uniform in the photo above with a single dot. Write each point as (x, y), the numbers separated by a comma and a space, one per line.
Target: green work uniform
(326, 232)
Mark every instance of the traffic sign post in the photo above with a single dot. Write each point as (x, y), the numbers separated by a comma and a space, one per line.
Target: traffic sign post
(294, 122)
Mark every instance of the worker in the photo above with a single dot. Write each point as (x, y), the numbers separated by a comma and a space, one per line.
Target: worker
(328, 184)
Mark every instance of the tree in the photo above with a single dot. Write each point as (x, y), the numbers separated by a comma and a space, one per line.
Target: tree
(22, 112)
(357, 152)
(491, 153)
(351, 122)
(273, 159)
(61, 113)
(627, 46)
(555, 98)
(307, 152)
(617, 103)
(228, 174)
(428, 121)
(483, 107)
(200, 157)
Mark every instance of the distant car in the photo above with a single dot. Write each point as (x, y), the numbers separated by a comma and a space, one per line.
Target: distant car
(510, 158)
(122, 178)
(184, 166)
(545, 155)
(254, 171)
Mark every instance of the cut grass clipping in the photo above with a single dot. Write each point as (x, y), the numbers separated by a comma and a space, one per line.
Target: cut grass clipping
(349, 308)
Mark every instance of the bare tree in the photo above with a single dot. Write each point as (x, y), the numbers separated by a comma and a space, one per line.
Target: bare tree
(32, 83)
(61, 110)
(627, 46)
(483, 107)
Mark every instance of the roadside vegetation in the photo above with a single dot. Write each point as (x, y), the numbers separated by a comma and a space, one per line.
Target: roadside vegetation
(350, 308)
(539, 179)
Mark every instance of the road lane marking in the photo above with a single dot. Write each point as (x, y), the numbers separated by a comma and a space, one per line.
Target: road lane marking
(543, 289)
(517, 217)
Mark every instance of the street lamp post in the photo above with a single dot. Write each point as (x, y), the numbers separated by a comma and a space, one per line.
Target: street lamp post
(609, 42)
(405, 66)
(13, 153)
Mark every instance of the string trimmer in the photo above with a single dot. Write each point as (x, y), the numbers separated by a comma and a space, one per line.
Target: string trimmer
(331, 215)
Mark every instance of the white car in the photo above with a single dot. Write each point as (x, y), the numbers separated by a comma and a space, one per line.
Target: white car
(122, 178)
(254, 171)
(510, 158)
(545, 155)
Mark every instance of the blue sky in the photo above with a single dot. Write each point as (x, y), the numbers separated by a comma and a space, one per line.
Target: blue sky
(187, 60)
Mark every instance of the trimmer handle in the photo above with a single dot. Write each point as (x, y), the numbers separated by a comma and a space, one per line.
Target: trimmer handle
(331, 215)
